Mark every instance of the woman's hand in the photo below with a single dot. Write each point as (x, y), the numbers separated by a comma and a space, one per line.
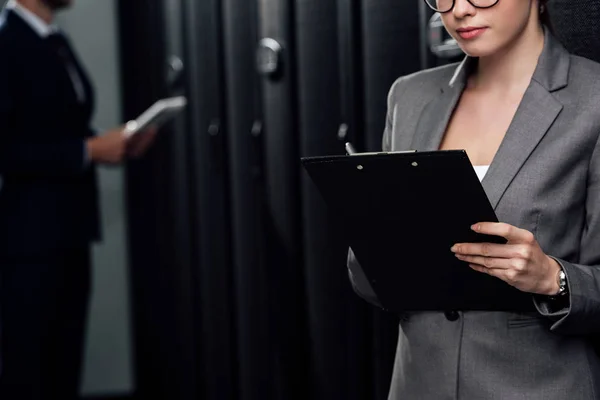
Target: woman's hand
(520, 263)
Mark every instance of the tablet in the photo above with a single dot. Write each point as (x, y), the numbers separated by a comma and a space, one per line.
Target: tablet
(401, 213)
(159, 113)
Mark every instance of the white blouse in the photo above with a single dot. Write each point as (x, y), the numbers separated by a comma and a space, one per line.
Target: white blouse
(481, 170)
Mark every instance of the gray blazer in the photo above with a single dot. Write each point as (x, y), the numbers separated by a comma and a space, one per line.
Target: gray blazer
(545, 178)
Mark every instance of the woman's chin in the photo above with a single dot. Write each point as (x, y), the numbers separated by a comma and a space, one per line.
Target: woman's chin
(477, 49)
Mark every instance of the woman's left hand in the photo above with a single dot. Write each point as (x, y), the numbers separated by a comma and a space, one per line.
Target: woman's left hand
(520, 262)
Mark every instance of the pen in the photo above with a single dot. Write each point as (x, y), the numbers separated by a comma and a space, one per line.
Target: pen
(350, 149)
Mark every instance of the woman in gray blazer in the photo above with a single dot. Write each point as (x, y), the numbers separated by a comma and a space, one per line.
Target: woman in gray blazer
(528, 114)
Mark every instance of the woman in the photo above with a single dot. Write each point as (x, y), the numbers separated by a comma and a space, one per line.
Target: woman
(525, 107)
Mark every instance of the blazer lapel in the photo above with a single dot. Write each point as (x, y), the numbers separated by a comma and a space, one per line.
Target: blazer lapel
(534, 117)
(436, 115)
(434, 119)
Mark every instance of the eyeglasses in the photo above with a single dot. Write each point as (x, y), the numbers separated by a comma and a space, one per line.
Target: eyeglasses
(444, 6)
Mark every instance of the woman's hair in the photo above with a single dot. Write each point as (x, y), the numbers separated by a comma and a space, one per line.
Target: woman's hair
(545, 16)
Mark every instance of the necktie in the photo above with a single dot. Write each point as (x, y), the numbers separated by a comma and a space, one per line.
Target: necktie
(61, 47)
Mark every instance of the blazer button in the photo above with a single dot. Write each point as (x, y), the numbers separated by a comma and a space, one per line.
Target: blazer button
(452, 315)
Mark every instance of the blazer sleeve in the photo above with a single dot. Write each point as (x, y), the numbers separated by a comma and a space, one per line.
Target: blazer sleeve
(359, 280)
(581, 313)
(25, 156)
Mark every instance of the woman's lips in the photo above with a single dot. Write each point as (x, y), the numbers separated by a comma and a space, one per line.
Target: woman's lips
(470, 33)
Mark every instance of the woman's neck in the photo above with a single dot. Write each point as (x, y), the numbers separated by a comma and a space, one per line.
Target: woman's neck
(39, 8)
(513, 66)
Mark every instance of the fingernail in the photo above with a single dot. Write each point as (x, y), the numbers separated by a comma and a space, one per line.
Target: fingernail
(475, 227)
(453, 249)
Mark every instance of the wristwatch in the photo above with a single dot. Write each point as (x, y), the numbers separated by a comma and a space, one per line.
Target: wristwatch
(561, 279)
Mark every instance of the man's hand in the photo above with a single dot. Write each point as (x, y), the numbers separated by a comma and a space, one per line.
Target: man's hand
(520, 263)
(141, 142)
(108, 148)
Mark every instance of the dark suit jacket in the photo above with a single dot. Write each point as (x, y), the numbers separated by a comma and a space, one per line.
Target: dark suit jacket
(48, 199)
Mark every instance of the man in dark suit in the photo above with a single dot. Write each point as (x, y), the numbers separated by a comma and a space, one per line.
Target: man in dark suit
(48, 202)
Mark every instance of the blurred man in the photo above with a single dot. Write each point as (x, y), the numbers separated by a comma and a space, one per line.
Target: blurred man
(48, 202)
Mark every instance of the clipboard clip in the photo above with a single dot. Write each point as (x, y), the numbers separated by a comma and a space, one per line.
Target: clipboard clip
(352, 152)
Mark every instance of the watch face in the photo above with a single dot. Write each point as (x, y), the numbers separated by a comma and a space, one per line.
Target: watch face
(562, 282)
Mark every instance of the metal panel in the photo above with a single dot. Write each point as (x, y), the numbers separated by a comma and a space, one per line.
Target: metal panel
(282, 220)
(350, 72)
(247, 182)
(159, 241)
(391, 50)
(210, 214)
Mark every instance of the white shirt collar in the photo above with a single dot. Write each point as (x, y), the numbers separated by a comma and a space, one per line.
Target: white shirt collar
(36, 23)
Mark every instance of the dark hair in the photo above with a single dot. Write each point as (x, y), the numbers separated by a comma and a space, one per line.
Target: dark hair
(545, 18)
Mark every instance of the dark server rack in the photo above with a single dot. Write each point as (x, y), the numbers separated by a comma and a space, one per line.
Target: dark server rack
(215, 312)
(248, 204)
(158, 209)
(240, 289)
(282, 222)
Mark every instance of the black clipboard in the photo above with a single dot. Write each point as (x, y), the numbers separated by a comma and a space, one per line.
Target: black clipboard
(402, 212)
